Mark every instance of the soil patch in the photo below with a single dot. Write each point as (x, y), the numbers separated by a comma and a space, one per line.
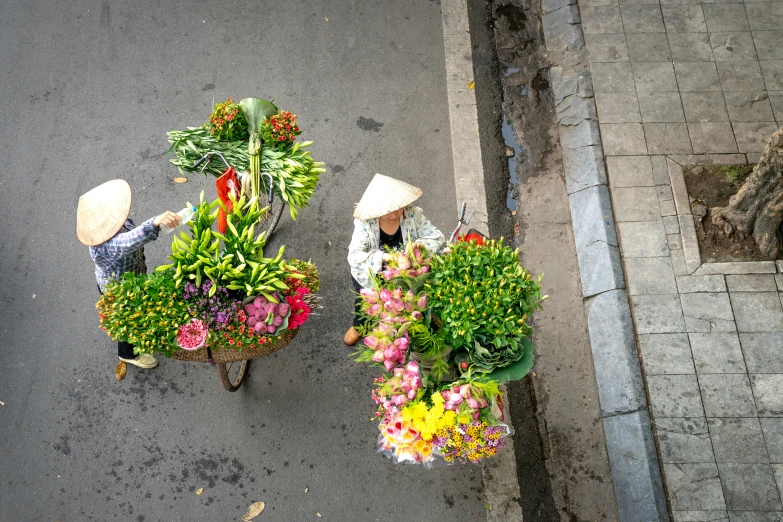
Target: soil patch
(711, 186)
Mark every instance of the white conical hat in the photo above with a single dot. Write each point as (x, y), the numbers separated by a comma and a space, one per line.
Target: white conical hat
(102, 212)
(384, 195)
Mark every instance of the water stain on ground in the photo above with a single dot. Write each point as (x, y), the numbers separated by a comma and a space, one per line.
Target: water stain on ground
(369, 124)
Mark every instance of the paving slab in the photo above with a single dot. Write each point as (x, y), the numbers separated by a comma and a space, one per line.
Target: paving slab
(697, 77)
(612, 77)
(671, 225)
(666, 354)
(629, 171)
(623, 139)
(763, 351)
(684, 18)
(694, 487)
(658, 314)
(732, 45)
(651, 275)
(738, 440)
(773, 435)
(704, 107)
(767, 44)
(717, 353)
(660, 170)
(755, 516)
(635, 204)
(773, 74)
(765, 15)
(617, 107)
(751, 106)
(751, 267)
(722, 18)
(649, 47)
(751, 283)
(667, 138)
(690, 47)
(757, 311)
(674, 396)
(654, 77)
(740, 76)
(767, 391)
(684, 440)
(708, 283)
(661, 107)
(606, 47)
(667, 203)
(601, 19)
(712, 137)
(643, 239)
(642, 19)
(708, 312)
(750, 487)
(753, 137)
(727, 395)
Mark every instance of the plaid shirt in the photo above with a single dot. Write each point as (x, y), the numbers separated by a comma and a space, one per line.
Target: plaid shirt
(124, 252)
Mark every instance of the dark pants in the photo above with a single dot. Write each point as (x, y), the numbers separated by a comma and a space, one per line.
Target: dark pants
(357, 303)
(124, 349)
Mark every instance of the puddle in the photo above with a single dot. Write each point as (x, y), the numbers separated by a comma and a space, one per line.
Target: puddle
(515, 16)
(510, 140)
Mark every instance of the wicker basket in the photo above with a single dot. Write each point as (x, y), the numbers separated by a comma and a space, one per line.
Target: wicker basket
(229, 355)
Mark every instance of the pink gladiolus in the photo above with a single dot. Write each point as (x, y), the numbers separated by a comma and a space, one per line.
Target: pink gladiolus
(371, 341)
(483, 403)
(374, 310)
(473, 403)
(408, 307)
(401, 343)
(412, 367)
(424, 269)
(403, 262)
(388, 365)
(385, 295)
(416, 316)
(449, 406)
(387, 274)
(422, 302)
(475, 415)
(464, 391)
(377, 357)
(397, 305)
(456, 399)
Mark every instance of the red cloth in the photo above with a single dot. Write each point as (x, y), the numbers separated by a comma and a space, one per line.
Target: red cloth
(225, 184)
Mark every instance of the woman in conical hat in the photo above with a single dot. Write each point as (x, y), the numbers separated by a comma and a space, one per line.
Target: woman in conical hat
(385, 219)
(116, 243)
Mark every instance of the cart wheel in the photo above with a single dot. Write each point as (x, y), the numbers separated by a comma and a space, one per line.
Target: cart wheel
(273, 217)
(232, 374)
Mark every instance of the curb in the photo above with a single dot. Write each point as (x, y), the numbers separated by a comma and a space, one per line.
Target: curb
(499, 476)
(630, 444)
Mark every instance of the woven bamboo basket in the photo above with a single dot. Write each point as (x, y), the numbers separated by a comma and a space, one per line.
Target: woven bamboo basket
(221, 355)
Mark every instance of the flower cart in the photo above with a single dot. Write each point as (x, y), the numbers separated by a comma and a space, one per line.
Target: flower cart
(447, 331)
(221, 300)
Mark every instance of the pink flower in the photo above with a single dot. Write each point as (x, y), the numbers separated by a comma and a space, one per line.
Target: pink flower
(385, 295)
(371, 341)
(370, 296)
(401, 343)
(374, 310)
(422, 302)
(403, 262)
(424, 269)
(473, 403)
(416, 316)
(377, 357)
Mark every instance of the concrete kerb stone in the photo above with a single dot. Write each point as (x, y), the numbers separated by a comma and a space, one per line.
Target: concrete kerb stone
(635, 468)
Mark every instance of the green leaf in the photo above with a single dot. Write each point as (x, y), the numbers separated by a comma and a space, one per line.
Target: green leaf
(517, 370)
(256, 111)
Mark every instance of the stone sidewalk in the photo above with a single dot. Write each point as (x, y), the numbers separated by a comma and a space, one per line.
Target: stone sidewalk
(681, 83)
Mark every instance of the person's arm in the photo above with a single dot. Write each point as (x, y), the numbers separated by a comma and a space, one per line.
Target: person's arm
(360, 256)
(428, 234)
(128, 242)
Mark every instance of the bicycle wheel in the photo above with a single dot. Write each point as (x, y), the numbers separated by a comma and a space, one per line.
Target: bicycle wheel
(232, 374)
(272, 217)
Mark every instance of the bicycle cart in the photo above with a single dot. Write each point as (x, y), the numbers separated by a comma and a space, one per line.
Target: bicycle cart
(232, 364)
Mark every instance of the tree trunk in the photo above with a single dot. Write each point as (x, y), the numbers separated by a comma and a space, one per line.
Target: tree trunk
(757, 208)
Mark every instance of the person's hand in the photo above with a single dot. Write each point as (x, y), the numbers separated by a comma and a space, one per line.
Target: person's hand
(419, 245)
(168, 219)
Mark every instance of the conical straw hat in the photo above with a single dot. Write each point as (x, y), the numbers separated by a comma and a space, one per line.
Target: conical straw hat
(102, 212)
(384, 195)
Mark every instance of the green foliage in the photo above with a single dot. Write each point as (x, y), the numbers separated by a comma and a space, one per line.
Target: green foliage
(144, 310)
(483, 298)
(227, 122)
(234, 260)
(312, 278)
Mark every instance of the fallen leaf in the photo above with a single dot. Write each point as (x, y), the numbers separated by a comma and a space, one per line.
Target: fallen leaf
(121, 370)
(199, 491)
(330, 243)
(253, 511)
(471, 85)
(307, 489)
(513, 212)
(180, 180)
(326, 19)
(319, 515)
(3, 404)
(33, 296)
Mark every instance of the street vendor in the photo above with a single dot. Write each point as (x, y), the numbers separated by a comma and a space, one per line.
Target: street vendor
(385, 220)
(116, 243)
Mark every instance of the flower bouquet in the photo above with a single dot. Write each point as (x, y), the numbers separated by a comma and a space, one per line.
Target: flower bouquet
(447, 331)
(220, 291)
(254, 136)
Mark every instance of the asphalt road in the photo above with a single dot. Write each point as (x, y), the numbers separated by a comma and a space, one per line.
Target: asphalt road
(89, 90)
